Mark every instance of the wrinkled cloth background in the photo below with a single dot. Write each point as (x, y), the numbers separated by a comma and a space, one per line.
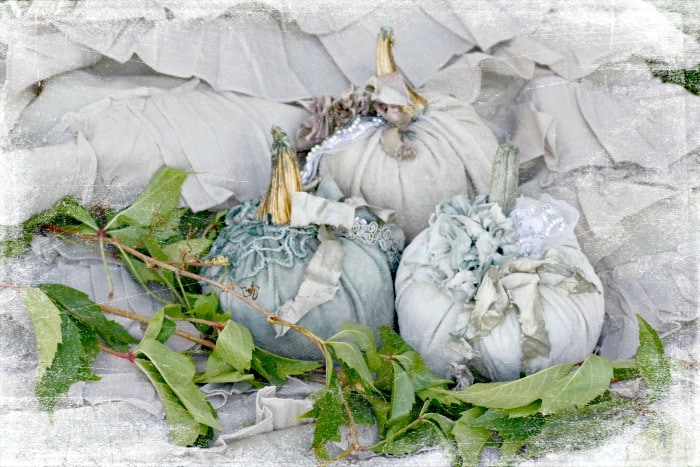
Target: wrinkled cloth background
(129, 85)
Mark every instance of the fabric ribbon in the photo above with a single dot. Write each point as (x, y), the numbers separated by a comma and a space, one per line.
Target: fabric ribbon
(322, 274)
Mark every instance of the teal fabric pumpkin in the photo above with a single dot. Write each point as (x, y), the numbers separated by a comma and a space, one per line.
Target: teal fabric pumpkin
(268, 263)
(336, 274)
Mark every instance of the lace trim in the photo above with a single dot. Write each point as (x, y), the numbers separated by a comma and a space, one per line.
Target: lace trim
(377, 234)
(252, 245)
(534, 226)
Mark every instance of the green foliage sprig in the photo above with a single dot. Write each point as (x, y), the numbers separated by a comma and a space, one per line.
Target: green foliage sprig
(371, 377)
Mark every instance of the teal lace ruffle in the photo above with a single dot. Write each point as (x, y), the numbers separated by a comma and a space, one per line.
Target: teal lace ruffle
(252, 245)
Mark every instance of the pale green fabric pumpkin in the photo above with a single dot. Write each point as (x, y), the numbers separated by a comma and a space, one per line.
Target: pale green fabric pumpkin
(499, 295)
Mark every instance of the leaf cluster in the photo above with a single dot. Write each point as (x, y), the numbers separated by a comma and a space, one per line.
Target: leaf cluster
(559, 408)
(371, 377)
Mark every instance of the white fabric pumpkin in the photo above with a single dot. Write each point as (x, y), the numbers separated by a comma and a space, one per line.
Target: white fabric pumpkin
(453, 154)
(417, 151)
(473, 290)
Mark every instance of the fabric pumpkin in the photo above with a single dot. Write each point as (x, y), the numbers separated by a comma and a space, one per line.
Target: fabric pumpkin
(289, 262)
(479, 291)
(413, 153)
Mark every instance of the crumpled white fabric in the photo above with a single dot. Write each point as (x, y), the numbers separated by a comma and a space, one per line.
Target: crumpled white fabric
(25, 189)
(336, 43)
(619, 146)
(116, 144)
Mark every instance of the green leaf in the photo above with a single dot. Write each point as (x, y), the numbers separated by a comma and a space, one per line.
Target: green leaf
(159, 327)
(67, 207)
(663, 442)
(580, 387)
(80, 307)
(178, 372)
(132, 235)
(583, 428)
(470, 440)
(231, 357)
(219, 372)
(402, 395)
(506, 427)
(420, 375)
(46, 319)
(235, 346)
(70, 365)
(625, 369)
(330, 415)
(510, 447)
(174, 311)
(156, 202)
(524, 411)
(443, 423)
(184, 429)
(206, 307)
(392, 344)
(275, 369)
(421, 436)
(651, 361)
(62, 213)
(71, 208)
(364, 337)
(187, 250)
(511, 394)
(350, 355)
(361, 408)
(380, 408)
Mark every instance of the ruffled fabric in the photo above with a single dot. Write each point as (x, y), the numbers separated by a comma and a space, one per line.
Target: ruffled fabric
(523, 287)
(231, 44)
(465, 240)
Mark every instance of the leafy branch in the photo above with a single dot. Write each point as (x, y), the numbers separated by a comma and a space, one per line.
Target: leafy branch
(371, 377)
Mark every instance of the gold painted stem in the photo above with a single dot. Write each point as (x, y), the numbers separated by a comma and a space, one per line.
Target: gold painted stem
(385, 65)
(285, 180)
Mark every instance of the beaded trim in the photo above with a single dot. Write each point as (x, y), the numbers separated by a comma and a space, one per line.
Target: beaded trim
(346, 134)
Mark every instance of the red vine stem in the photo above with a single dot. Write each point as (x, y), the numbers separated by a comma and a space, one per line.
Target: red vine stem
(126, 356)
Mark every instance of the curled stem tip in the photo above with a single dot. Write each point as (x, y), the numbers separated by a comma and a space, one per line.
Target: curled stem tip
(385, 65)
(285, 180)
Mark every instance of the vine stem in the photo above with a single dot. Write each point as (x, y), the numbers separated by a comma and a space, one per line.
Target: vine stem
(227, 288)
(126, 356)
(144, 320)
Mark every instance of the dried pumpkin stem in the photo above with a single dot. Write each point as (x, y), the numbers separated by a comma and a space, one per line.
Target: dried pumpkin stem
(385, 65)
(276, 205)
(504, 178)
